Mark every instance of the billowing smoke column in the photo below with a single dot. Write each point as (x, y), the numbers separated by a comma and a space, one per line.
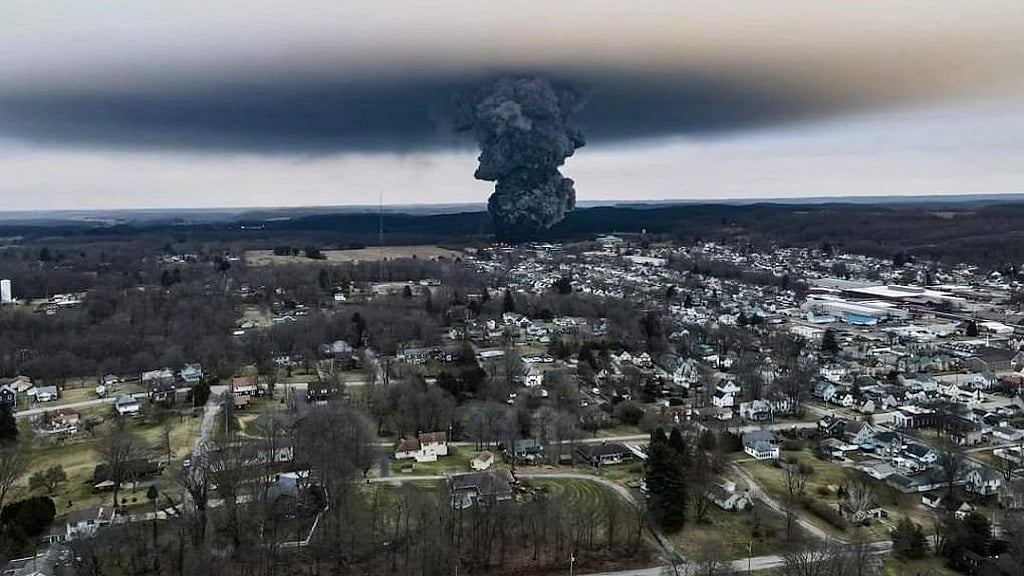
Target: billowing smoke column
(526, 130)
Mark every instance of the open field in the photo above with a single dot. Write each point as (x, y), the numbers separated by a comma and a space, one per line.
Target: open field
(78, 456)
(822, 486)
(734, 534)
(373, 254)
(592, 498)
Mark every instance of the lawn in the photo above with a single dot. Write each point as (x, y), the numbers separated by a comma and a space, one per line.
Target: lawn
(760, 529)
(590, 497)
(457, 460)
(78, 456)
(822, 486)
(930, 566)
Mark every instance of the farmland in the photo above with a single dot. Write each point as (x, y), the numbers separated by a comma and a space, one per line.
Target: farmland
(428, 252)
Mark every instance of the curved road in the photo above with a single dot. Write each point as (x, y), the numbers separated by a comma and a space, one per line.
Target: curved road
(756, 563)
(760, 494)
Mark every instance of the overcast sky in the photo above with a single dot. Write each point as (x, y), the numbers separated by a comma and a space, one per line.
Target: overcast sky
(110, 104)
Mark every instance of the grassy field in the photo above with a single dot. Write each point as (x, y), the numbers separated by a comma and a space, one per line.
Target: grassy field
(760, 529)
(78, 456)
(457, 460)
(592, 498)
(373, 254)
(930, 566)
(822, 485)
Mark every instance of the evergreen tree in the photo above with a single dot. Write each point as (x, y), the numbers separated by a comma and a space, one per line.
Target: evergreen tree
(657, 472)
(8, 425)
(908, 540)
(829, 344)
(677, 488)
(508, 303)
(972, 329)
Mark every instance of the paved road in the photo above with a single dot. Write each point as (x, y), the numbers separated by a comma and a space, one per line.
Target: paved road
(46, 407)
(213, 407)
(756, 563)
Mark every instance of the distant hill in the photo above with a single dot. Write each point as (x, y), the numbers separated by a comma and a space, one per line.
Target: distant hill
(973, 229)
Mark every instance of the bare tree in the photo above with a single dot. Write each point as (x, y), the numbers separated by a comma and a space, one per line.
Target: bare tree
(796, 475)
(858, 495)
(118, 449)
(13, 464)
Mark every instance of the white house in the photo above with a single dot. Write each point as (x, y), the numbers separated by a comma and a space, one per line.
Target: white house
(127, 405)
(723, 400)
(984, 481)
(761, 445)
(482, 461)
(532, 377)
(45, 393)
(84, 524)
(725, 496)
(425, 447)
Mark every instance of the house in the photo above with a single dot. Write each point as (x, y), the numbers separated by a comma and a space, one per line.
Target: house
(85, 523)
(192, 373)
(824, 390)
(914, 417)
(127, 405)
(984, 481)
(134, 470)
(858, 516)
(66, 419)
(163, 391)
(942, 501)
(921, 453)
(604, 453)
(526, 450)
(246, 385)
(424, 447)
(760, 445)
(480, 487)
(832, 426)
(966, 432)
(532, 377)
(336, 348)
(757, 411)
(482, 461)
(858, 433)
(45, 393)
(725, 496)
(722, 400)
(8, 396)
(320, 391)
(835, 448)
(161, 384)
(160, 374)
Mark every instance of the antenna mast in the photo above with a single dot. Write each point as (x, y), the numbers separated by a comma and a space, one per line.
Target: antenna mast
(380, 236)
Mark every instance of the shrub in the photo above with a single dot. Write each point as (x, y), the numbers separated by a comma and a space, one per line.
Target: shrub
(792, 445)
(826, 513)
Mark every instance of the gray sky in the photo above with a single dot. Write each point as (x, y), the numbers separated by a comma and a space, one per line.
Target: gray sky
(108, 104)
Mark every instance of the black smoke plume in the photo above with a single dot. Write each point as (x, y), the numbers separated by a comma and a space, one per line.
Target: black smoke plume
(526, 129)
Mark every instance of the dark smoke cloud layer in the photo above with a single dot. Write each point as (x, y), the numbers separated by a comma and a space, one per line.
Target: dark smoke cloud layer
(526, 128)
(303, 115)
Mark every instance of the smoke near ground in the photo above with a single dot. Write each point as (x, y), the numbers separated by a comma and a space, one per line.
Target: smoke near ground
(526, 128)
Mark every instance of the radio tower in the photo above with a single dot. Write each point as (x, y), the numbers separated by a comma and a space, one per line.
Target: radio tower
(380, 236)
